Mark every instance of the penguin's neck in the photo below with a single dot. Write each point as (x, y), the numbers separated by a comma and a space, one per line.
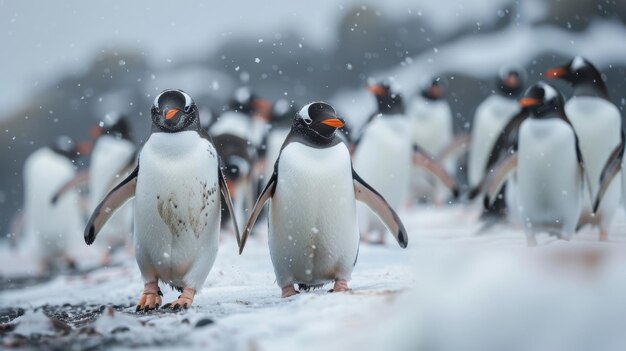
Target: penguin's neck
(311, 138)
(595, 88)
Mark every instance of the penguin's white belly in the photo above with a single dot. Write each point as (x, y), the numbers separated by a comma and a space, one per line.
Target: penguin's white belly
(598, 125)
(383, 160)
(432, 131)
(108, 158)
(548, 179)
(490, 118)
(313, 235)
(52, 226)
(177, 208)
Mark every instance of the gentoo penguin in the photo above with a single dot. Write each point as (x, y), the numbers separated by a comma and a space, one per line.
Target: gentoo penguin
(176, 186)
(383, 154)
(238, 160)
(548, 167)
(112, 158)
(598, 123)
(490, 119)
(283, 113)
(51, 227)
(431, 120)
(246, 117)
(313, 233)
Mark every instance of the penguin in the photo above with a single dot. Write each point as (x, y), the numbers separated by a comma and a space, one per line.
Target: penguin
(313, 230)
(283, 113)
(238, 160)
(431, 120)
(51, 227)
(176, 186)
(547, 163)
(245, 117)
(598, 124)
(112, 158)
(490, 120)
(384, 154)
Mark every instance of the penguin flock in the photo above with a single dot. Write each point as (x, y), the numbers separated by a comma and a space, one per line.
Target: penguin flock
(536, 160)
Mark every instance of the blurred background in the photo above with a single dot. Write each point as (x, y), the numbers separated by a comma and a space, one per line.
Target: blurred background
(66, 64)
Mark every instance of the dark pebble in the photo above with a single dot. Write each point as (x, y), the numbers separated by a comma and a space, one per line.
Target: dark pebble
(204, 322)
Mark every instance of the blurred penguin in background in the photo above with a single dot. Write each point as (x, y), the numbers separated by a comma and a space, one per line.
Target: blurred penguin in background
(238, 157)
(431, 120)
(598, 123)
(491, 118)
(247, 117)
(384, 154)
(283, 113)
(52, 230)
(112, 159)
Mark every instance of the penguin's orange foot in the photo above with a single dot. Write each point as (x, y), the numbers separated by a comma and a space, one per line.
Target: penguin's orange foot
(150, 298)
(288, 291)
(184, 300)
(340, 286)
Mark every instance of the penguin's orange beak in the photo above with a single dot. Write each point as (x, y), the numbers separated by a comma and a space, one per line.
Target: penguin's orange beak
(333, 122)
(527, 102)
(171, 113)
(376, 89)
(554, 73)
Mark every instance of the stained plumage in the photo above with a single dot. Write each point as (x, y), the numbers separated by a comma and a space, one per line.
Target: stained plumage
(177, 186)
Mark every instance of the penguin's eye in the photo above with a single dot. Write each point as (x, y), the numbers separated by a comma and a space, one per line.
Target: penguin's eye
(187, 108)
(307, 120)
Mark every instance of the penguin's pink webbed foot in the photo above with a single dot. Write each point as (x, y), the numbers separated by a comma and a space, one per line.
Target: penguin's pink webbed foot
(288, 291)
(184, 300)
(150, 298)
(340, 286)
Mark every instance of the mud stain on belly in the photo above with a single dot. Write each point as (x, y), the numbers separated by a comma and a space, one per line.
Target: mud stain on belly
(187, 211)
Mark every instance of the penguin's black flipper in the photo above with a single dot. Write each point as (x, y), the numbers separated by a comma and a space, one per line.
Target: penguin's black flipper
(611, 168)
(421, 158)
(498, 177)
(266, 194)
(80, 179)
(366, 194)
(117, 197)
(228, 200)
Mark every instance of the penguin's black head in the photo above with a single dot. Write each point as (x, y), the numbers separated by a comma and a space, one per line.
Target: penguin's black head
(511, 80)
(389, 102)
(579, 72)
(242, 101)
(319, 118)
(173, 111)
(248, 103)
(542, 100)
(434, 90)
(115, 125)
(283, 112)
(65, 146)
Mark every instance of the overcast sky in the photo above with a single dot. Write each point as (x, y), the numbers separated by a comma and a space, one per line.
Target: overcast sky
(43, 40)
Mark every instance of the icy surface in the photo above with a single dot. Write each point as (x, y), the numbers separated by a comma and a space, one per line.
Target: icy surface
(451, 289)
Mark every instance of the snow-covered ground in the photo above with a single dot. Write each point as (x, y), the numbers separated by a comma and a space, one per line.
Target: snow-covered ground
(450, 290)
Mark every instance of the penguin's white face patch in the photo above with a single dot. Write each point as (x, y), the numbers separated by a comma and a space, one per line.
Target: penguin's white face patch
(304, 114)
(578, 63)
